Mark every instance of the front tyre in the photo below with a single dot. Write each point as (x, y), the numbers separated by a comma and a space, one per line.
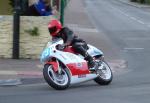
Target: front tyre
(104, 73)
(55, 80)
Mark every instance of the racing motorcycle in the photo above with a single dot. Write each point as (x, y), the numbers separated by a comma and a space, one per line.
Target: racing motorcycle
(64, 67)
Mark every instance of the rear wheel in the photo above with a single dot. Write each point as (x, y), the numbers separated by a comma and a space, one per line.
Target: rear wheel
(58, 81)
(105, 75)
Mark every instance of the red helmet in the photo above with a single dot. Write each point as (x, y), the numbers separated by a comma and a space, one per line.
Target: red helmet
(54, 27)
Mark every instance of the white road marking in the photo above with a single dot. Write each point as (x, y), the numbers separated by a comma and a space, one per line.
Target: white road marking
(3, 72)
(30, 73)
(131, 17)
(76, 27)
(138, 38)
(133, 48)
(30, 85)
(86, 30)
(126, 15)
(39, 66)
(140, 21)
(10, 82)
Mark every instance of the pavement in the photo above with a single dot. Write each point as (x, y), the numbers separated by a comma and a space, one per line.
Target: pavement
(18, 72)
(28, 71)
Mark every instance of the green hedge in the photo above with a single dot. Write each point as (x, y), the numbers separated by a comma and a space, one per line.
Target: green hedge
(141, 1)
(148, 1)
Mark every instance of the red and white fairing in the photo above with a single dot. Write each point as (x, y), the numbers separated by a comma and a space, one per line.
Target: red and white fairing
(76, 64)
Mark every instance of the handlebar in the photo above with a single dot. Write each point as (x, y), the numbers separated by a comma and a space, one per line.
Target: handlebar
(60, 47)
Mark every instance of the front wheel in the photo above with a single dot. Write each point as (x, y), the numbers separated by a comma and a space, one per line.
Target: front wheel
(56, 80)
(104, 73)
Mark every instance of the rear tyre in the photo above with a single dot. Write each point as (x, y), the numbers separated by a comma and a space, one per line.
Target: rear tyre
(105, 75)
(55, 80)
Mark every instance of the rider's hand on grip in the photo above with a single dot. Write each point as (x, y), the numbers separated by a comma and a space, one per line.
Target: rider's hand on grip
(60, 47)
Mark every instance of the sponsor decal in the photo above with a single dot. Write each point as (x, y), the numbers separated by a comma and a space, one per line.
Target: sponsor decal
(79, 65)
(82, 76)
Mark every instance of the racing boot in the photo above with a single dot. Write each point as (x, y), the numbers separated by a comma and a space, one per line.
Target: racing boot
(93, 65)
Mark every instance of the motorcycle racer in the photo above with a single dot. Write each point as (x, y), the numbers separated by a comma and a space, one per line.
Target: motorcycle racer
(70, 39)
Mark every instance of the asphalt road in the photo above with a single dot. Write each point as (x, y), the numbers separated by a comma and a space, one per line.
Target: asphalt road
(128, 30)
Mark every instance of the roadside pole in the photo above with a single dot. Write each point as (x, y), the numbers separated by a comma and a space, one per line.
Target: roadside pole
(16, 30)
(62, 2)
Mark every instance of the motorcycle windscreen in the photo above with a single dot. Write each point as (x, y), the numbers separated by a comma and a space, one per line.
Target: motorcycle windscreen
(45, 56)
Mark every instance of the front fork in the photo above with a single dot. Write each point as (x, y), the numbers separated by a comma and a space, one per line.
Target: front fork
(56, 66)
(59, 68)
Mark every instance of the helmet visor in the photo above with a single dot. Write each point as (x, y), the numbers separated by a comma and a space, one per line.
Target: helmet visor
(52, 29)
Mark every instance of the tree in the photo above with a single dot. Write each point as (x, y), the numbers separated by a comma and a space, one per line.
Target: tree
(12, 3)
(133, 0)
